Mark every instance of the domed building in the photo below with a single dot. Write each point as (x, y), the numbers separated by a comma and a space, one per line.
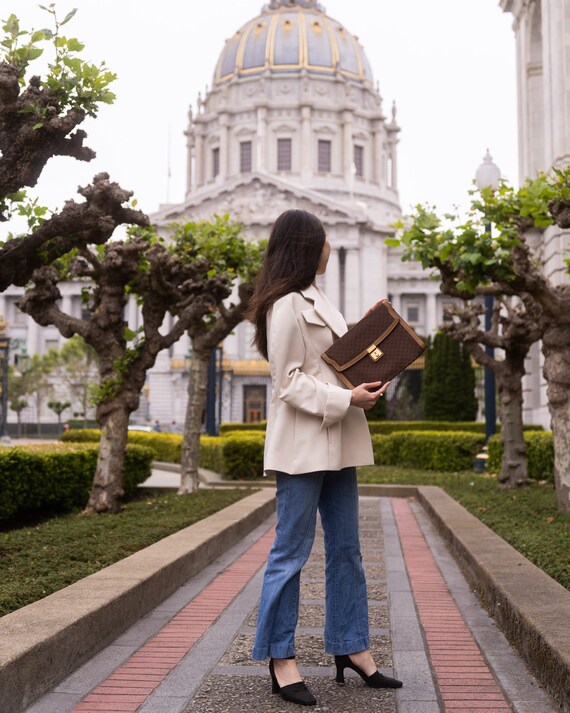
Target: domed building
(294, 119)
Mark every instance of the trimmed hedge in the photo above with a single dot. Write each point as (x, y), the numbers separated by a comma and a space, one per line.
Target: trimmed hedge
(236, 455)
(385, 427)
(211, 454)
(165, 446)
(227, 427)
(58, 477)
(391, 426)
(539, 455)
(429, 450)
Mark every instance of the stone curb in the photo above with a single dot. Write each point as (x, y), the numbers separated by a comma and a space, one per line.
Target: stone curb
(530, 607)
(43, 642)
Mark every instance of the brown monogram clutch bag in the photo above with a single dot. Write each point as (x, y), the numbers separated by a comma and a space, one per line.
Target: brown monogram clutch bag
(377, 348)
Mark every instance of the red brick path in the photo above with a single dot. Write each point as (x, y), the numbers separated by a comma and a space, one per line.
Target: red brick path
(464, 679)
(132, 683)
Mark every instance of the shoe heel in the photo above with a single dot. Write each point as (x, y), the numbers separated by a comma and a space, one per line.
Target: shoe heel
(275, 687)
(340, 675)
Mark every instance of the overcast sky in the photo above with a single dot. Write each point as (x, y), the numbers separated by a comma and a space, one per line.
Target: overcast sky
(448, 64)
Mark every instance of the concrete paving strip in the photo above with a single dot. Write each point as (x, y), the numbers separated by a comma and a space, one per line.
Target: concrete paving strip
(531, 608)
(522, 689)
(43, 642)
(471, 542)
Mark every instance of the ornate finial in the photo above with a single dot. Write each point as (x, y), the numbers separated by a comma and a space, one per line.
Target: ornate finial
(3, 325)
(190, 114)
(394, 111)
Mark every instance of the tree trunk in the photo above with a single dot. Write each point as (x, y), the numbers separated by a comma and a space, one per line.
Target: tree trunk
(19, 414)
(556, 350)
(513, 465)
(197, 385)
(107, 487)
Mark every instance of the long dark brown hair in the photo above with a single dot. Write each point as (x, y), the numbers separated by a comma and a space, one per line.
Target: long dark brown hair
(291, 261)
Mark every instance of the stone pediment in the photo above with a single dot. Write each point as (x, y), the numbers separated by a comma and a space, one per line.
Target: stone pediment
(257, 199)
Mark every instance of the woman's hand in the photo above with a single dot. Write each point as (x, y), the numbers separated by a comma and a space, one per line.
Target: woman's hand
(374, 306)
(366, 395)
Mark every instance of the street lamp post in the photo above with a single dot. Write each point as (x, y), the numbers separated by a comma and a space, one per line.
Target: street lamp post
(214, 389)
(488, 176)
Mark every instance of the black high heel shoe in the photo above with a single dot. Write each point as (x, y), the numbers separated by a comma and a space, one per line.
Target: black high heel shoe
(294, 692)
(375, 680)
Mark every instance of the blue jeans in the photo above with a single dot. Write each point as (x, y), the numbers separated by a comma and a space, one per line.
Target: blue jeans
(335, 494)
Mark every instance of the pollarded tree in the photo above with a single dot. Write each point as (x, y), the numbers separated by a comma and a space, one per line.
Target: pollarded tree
(514, 330)
(39, 120)
(472, 262)
(58, 407)
(221, 243)
(164, 280)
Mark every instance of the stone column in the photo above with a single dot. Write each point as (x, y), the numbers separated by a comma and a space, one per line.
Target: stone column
(354, 309)
(66, 304)
(397, 303)
(224, 146)
(347, 149)
(132, 314)
(306, 148)
(199, 156)
(189, 159)
(431, 313)
(189, 133)
(261, 138)
(378, 159)
(333, 279)
(32, 337)
(393, 178)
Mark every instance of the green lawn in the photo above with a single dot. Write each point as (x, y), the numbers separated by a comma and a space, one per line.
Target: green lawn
(527, 518)
(40, 559)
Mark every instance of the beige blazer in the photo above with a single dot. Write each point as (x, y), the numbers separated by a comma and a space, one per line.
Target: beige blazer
(311, 425)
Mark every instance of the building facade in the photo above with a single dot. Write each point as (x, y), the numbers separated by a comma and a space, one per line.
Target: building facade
(542, 31)
(294, 119)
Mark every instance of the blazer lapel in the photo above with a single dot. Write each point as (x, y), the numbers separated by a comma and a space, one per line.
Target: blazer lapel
(326, 310)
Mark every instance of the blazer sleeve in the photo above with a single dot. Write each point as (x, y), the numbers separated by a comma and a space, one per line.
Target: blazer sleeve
(286, 347)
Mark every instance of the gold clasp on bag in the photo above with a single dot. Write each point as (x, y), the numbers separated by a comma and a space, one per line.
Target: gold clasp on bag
(374, 352)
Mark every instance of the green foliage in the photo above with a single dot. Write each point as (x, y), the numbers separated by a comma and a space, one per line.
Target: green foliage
(466, 247)
(232, 426)
(109, 388)
(384, 427)
(243, 455)
(20, 204)
(211, 454)
(81, 435)
(448, 387)
(58, 407)
(450, 451)
(38, 560)
(236, 455)
(526, 518)
(220, 241)
(74, 83)
(539, 455)
(58, 478)
(164, 446)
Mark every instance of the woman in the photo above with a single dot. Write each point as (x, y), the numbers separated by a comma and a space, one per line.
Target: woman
(316, 435)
